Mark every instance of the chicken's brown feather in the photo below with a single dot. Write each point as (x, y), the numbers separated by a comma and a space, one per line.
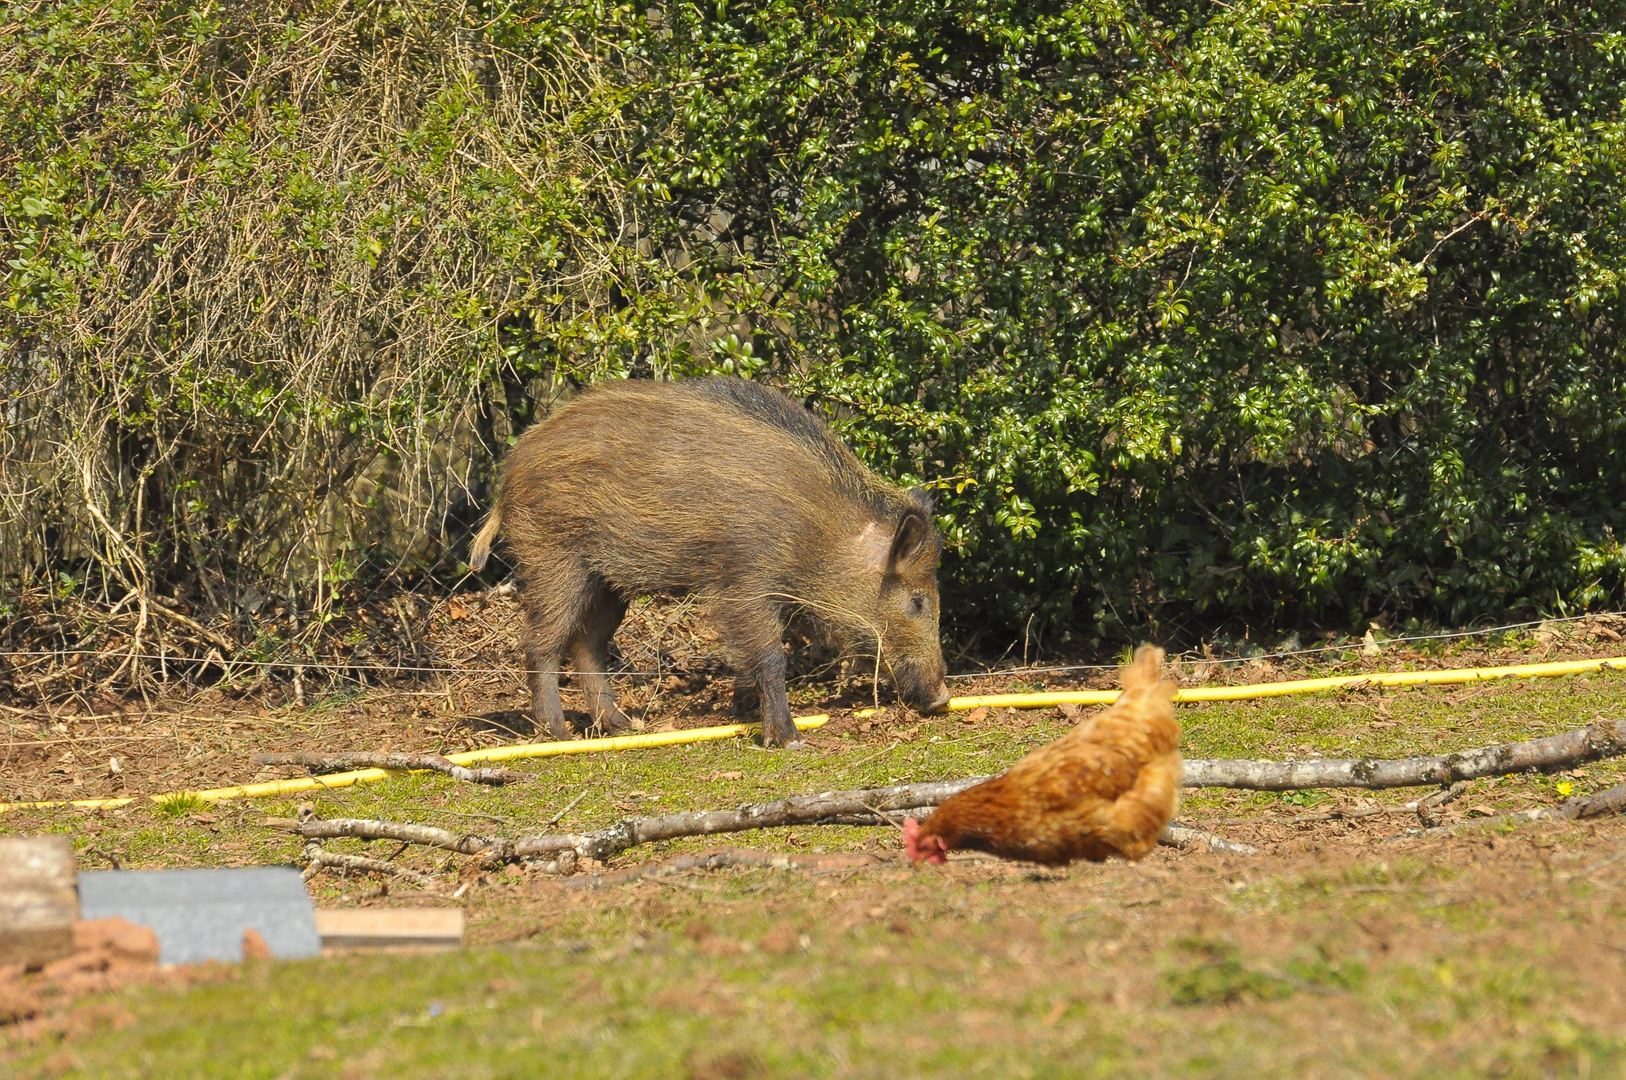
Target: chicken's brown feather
(1107, 787)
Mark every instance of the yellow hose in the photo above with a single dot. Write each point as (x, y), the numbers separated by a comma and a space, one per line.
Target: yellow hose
(1300, 686)
(808, 723)
(468, 757)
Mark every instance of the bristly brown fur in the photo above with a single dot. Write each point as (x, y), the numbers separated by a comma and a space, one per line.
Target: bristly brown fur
(723, 489)
(1108, 787)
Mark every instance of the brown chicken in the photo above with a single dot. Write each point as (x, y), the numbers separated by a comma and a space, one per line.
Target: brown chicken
(1108, 787)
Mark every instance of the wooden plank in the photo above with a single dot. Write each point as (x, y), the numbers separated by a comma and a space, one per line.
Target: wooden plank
(390, 928)
(39, 899)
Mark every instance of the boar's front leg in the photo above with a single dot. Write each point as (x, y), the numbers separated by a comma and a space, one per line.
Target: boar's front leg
(757, 639)
(778, 729)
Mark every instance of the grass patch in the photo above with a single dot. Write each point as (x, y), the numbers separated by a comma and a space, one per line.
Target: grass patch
(1336, 951)
(1218, 977)
(179, 805)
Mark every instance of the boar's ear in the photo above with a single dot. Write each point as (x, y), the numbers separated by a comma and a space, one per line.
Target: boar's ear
(910, 541)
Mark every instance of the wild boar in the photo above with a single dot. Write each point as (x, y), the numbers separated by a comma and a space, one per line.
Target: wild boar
(728, 491)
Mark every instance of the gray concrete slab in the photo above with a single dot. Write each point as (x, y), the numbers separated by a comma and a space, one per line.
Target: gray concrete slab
(201, 914)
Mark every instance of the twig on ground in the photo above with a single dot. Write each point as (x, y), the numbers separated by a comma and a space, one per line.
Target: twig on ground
(1352, 814)
(319, 858)
(1430, 803)
(858, 807)
(884, 750)
(331, 763)
(460, 813)
(1601, 739)
(893, 819)
(1183, 836)
(725, 857)
(571, 805)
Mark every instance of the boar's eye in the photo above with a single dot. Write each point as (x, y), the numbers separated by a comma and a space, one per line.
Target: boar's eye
(917, 604)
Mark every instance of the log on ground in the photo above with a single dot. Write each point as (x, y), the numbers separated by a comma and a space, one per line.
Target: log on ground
(863, 806)
(1601, 739)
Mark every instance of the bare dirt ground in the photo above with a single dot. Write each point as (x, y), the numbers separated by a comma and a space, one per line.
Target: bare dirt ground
(461, 688)
(1349, 947)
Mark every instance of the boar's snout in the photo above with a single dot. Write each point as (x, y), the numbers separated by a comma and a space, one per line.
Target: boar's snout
(938, 703)
(922, 685)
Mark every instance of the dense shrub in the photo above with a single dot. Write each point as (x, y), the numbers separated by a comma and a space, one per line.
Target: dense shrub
(1291, 311)
(263, 265)
(1190, 312)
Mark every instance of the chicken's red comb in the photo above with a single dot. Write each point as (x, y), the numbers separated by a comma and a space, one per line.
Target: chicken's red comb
(911, 840)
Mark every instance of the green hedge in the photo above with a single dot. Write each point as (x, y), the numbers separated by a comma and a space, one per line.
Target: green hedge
(1282, 312)
(1192, 313)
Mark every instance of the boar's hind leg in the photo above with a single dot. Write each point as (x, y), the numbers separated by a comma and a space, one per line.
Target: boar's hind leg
(590, 658)
(558, 592)
(542, 662)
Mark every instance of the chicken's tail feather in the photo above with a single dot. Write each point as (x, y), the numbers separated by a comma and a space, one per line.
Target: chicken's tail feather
(1144, 672)
(1137, 819)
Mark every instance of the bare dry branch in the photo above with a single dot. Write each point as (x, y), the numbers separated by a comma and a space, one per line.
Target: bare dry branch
(317, 859)
(860, 807)
(331, 763)
(1601, 739)
(865, 806)
(315, 828)
(1183, 837)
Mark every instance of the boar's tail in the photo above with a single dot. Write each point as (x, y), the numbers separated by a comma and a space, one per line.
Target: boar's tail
(481, 548)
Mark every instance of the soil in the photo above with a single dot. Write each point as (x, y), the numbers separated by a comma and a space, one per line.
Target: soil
(1456, 926)
(465, 689)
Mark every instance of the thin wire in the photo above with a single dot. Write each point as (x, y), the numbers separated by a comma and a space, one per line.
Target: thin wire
(1300, 652)
(314, 665)
(307, 665)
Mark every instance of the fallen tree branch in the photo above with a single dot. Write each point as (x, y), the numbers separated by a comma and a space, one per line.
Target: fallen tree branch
(885, 805)
(1606, 803)
(315, 828)
(865, 806)
(332, 763)
(1601, 739)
